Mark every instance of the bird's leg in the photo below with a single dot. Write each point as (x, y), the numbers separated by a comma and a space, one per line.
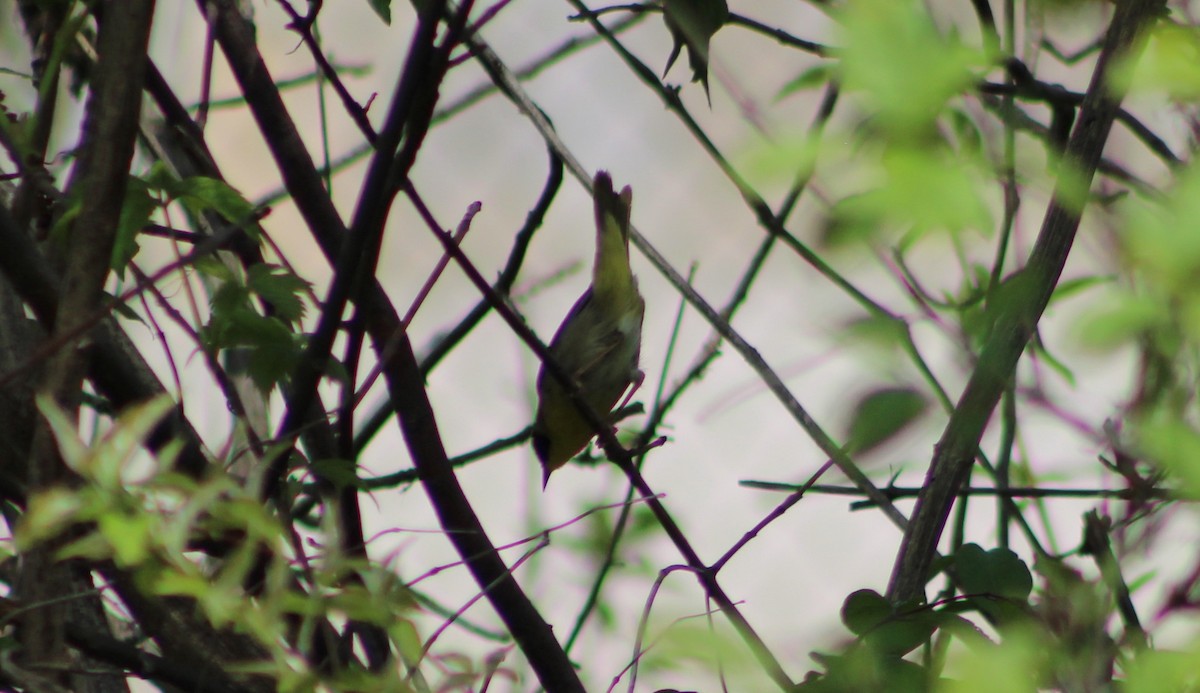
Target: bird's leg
(656, 443)
(637, 383)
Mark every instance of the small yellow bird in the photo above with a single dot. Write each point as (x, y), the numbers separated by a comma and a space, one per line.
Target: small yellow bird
(598, 343)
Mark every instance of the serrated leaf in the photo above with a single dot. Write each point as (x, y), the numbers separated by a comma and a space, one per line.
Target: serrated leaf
(229, 298)
(279, 287)
(273, 358)
(201, 193)
(272, 345)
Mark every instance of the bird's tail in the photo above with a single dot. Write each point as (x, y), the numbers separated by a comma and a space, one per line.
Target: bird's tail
(611, 274)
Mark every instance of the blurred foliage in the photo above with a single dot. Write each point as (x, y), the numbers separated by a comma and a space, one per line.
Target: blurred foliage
(934, 171)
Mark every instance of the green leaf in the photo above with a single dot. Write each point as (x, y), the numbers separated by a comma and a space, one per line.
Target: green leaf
(689, 643)
(882, 414)
(123, 309)
(902, 64)
(129, 536)
(200, 194)
(1121, 318)
(126, 438)
(1070, 287)
(917, 189)
(229, 298)
(865, 669)
(787, 158)
(249, 515)
(281, 288)
(340, 472)
(1153, 671)
(1174, 445)
(1162, 238)
(812, 78)
(864, 610)
(356, 603)
(856, 218)
(213, 267)
(902, 633)
(91, 546)
(170, 583)
(408, 640)
(1056, 364)
(998, 572)
(932, 189)
(383, 8)
(1011, 667)
(880, 331)
(71, 205)
(73, 451)
(48, 514)
(274, 357)
(966, 131)
(135, 214)
(1170, 62)
(273, 347)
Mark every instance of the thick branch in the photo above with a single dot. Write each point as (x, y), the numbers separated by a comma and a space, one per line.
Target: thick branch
(1018, 316)
(406, 384)
(110, 125)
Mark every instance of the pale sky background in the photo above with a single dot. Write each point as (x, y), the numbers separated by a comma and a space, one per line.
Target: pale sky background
(791, 580)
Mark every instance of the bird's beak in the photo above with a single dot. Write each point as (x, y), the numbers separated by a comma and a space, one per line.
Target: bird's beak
(545, 477)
